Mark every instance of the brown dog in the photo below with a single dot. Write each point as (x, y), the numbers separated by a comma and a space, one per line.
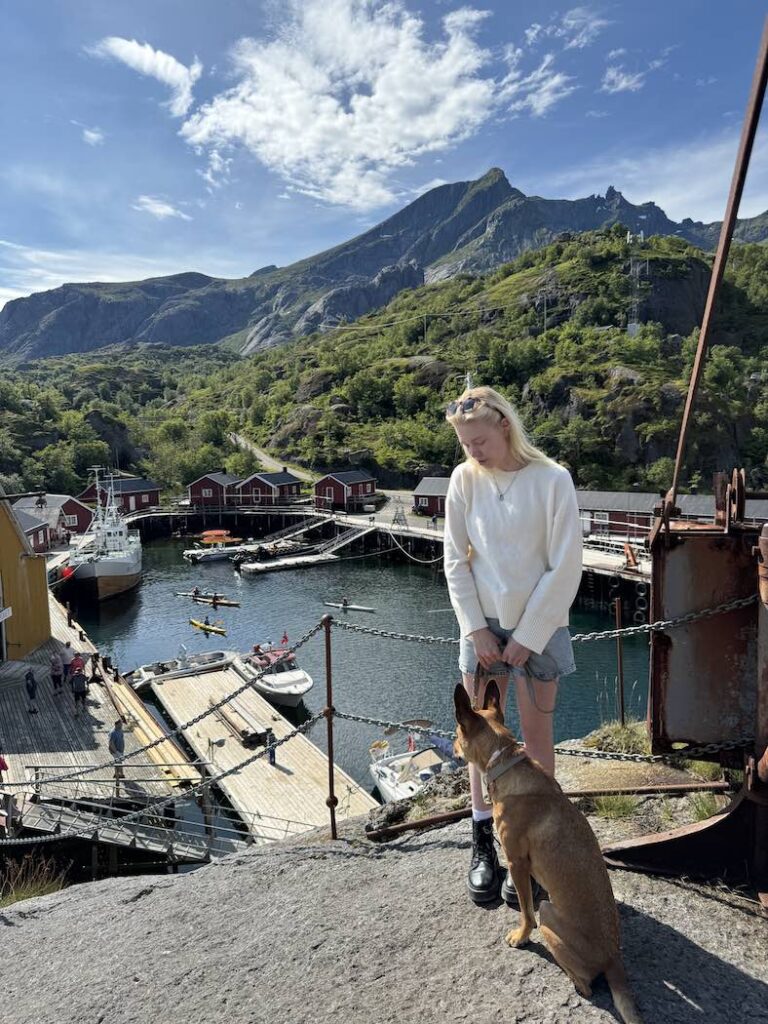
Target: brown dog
(544, 835)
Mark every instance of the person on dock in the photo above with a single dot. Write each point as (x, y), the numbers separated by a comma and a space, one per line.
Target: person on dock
(513, 564)
(67, 654)
(117, 750)
(3, 765)
(57, 673)
(30, 682)
(271, 752)
(79, 690)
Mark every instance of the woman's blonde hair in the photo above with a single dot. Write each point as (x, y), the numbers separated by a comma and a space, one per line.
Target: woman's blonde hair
(491, 407)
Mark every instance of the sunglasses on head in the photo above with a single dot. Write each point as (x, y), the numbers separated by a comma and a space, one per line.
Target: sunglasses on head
(466, 406)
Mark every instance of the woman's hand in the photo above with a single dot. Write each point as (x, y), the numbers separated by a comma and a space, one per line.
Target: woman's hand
(487, 647)
(515, 654)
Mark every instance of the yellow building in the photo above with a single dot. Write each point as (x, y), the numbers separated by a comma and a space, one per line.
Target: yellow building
(24, 617)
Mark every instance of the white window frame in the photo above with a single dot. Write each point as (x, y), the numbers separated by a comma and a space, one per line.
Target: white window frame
(145, 499)
(423, 502)
(601, 517)
(70, 521)
(207, 492)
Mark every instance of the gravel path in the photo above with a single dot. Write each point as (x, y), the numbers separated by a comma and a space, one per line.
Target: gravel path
(315, 931)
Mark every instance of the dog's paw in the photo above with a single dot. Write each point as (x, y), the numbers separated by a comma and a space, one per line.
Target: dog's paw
(517, 937)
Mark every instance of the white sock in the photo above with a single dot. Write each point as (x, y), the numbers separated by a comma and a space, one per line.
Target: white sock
(481, 815)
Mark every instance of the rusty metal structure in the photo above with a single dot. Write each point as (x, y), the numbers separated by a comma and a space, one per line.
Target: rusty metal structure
(709, 677)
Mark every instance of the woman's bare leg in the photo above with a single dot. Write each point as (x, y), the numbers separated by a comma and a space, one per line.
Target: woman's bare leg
(536, 718)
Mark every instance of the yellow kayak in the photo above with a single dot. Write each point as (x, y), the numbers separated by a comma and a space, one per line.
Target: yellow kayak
(219, 630)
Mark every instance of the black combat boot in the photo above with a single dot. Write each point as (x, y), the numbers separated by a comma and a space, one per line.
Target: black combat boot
(483, 877)
(509, 892)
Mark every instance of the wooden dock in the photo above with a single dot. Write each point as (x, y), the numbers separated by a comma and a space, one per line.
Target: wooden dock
(273, 801)
(55, 742)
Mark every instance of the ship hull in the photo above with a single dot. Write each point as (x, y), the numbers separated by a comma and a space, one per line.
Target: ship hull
(104, 578)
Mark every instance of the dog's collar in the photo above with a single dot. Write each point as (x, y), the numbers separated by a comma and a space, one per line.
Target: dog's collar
(499, 763)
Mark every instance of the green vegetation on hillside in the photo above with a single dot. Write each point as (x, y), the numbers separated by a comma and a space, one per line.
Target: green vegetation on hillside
(548, 329)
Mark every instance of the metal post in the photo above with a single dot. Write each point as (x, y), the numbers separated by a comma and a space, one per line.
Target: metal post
(619, 662)
(332, 800)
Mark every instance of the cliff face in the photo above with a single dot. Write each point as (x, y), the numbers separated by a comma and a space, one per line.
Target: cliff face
(468, 226)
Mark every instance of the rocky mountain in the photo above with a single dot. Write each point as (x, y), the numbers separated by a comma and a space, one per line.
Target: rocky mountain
(469, 226)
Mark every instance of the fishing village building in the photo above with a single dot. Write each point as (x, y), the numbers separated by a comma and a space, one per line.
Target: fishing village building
(62, 513)
(429, 496)
(269, 489)
(214, 489)
(35, 530)
(347, 490)
(24, 616)
(132, 494)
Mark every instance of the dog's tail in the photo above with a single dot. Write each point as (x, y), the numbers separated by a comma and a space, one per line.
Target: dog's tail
(622, 996)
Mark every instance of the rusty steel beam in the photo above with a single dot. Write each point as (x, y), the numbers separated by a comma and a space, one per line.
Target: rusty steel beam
(748, 132)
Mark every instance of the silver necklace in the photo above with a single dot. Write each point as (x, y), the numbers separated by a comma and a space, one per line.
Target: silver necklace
(510, 485)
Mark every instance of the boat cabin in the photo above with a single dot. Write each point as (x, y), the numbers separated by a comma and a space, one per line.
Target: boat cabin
(269, 489)
(348, 490)
(214, 489)
(132, 493)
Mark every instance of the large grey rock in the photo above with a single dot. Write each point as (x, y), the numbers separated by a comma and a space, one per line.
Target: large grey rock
(317, 932)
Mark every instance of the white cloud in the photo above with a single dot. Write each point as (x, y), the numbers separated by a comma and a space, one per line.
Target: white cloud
(93, 136)
(146, 60)
(539, 90)
(689, 179)
(617, 79)
(615, 54)
(578, 28)
(347, 92)
(158, 208)
(596, 113)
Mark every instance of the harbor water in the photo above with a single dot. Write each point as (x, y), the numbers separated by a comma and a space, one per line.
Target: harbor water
(372, 676)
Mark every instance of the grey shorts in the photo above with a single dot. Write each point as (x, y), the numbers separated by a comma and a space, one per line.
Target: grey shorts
(555, 660)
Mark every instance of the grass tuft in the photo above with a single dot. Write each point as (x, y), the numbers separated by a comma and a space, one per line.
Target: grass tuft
(632, 738)
(29, 877)
(616, 805)
(703, 805)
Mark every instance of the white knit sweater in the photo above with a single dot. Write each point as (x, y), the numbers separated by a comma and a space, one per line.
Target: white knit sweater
(516, 560)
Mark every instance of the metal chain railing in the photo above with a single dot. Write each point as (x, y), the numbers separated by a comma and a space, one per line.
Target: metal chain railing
(159, 806)
(609, 634)
(179, 730)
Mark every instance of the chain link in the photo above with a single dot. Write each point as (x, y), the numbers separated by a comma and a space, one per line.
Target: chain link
(382, 724)
(179, 729)
(610, 634)
(160, 805)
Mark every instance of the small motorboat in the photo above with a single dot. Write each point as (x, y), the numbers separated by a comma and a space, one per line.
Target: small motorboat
(399, 776)
(210, 627)
(217, 602)
(284, 683)
(182, 665)
(348, 607)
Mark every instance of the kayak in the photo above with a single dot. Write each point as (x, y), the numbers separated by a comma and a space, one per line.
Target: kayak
(348, 607)
(200, 593)
(219, 602)
(219, 630)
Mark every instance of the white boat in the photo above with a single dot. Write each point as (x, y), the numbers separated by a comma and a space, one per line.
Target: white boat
(218, 552)
(348, 607)
(182, 665)
(108, 559)
(285, 683)
(403, 775)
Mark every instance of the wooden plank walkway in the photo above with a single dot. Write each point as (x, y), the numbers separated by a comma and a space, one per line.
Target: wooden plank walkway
(274, 801)
(57, 742)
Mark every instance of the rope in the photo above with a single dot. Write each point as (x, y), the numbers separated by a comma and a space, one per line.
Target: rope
(413, 558)
(161, 805)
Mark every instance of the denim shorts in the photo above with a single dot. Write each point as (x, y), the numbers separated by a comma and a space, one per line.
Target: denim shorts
(555, 660)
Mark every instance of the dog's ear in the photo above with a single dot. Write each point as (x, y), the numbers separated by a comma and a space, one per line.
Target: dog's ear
(464, 714)
(492, 700)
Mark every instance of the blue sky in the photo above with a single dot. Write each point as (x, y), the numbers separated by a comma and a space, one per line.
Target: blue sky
(166, 135)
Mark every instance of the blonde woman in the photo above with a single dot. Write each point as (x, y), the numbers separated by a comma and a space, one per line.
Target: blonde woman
(513, 567)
